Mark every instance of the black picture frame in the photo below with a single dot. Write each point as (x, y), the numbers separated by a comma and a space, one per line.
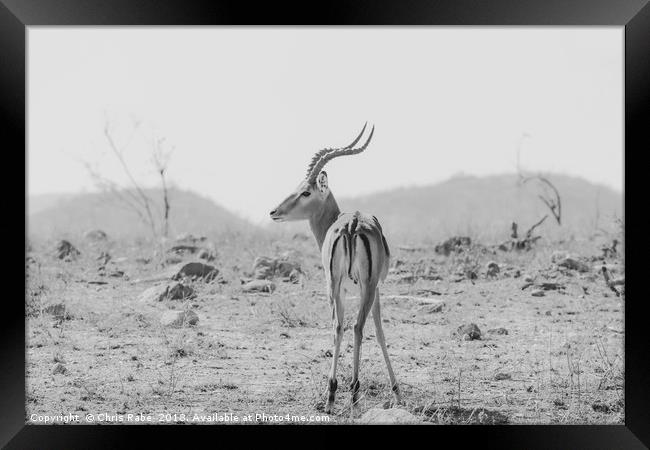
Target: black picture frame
(634, 15)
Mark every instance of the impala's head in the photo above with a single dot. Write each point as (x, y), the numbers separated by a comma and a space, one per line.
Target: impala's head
(310, 195)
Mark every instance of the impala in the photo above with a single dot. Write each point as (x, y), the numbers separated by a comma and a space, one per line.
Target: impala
(353, 248)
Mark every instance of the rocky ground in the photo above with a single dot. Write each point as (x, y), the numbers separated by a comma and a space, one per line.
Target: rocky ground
(478, 335)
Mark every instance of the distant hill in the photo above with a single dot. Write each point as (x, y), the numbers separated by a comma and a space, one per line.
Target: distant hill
(41, 202)
(480, 207)
(485, 207)
(72, 214)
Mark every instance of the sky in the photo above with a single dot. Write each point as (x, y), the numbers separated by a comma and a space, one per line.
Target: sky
(243, 109)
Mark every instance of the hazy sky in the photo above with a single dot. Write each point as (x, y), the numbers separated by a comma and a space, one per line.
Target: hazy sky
(246, 108)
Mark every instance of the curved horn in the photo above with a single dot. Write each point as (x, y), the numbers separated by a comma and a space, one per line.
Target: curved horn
(323, 156)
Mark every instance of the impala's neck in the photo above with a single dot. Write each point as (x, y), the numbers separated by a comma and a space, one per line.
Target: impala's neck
(323, 219)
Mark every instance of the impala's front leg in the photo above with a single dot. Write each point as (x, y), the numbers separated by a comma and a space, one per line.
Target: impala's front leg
(336, 303)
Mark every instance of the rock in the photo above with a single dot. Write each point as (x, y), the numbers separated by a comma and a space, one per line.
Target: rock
(95, 235)
(190, 238)
(433, 306)
(266, 268)
(559, 255)
(115, 273)
(264, 273)
(498, 331)
(601, 407)
(173, 291)
(492, 269)
(528, 278)
(57, 310)
(59, 369)
(388, 416)
(469, 332)
(194, 270)
(573, 264)
(207, 254)
(188, 246)
(177, 319)
(550, 286)
(65, 250)
(259, 286)
(183, 249)
(538, 293)
(284, 268)
(179, 291)
(453, 244)
(296, 275)
(502, 376)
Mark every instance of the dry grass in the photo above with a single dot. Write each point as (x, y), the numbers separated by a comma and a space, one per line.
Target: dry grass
(561, 361)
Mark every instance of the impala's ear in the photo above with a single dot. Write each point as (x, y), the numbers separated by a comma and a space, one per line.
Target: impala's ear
(321, 183)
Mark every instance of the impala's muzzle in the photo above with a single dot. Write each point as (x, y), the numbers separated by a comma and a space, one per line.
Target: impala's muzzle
(276, 216)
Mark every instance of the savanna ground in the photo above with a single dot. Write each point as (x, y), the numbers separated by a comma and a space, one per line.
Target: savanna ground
(557, 358)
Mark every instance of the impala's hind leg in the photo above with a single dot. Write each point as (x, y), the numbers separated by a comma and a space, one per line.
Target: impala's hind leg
(336, 301)
(379, 331)
(367, 299)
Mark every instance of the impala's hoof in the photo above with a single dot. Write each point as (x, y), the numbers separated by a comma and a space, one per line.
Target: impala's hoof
(397, 395)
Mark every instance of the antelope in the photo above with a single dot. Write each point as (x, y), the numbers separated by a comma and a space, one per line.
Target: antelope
(353, 248)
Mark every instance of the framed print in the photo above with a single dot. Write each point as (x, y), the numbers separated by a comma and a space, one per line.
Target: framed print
(366, 214)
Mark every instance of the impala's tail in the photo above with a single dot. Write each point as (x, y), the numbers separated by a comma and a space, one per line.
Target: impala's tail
(352, 234)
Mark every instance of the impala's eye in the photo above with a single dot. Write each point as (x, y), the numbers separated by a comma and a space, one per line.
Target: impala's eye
(306, 194)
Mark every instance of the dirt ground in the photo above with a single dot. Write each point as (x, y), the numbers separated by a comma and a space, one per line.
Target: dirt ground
(556, 358)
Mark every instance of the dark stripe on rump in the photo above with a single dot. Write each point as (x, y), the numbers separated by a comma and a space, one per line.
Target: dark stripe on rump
(333, 251)
(364, 238)
(350, 241)
(385, 245)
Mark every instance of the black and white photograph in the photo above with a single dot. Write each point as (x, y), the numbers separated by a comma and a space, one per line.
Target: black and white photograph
(327, 225)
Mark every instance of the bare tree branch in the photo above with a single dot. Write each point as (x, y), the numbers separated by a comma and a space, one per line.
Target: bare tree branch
(553, 204)
(161, 160)
(124, 196)
(119, 154)
(529, 233)
(135, 198)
